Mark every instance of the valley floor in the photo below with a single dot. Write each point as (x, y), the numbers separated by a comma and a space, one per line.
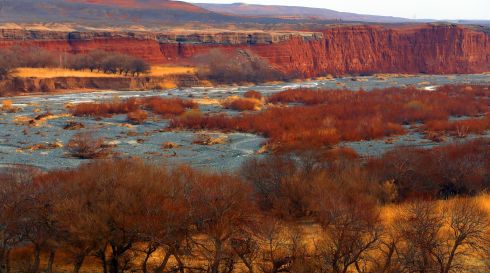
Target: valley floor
(42, 143)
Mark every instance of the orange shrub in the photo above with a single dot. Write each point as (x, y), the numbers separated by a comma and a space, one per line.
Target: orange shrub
(459, 128)
(85, 146)
(168, 107)
(294, 127)
(7, 105)
(242, 104)
(461, 168)
(405, 105)
(105, 109)
(330, 116)
(252, 94)
(161, 106)
(137, 117)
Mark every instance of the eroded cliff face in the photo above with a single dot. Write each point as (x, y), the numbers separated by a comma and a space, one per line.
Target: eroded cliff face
(435, 49)
(368, 49)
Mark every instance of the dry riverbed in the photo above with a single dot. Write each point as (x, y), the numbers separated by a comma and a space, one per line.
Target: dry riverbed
(38, 129)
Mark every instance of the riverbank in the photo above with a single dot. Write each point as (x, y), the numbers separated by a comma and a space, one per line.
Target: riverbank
(145, 140)
(32, 85)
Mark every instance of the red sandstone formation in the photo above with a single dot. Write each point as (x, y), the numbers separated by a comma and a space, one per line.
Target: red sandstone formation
(435, 49)
(367, 49)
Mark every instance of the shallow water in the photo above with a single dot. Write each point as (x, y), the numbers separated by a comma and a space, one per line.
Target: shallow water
(145, 140)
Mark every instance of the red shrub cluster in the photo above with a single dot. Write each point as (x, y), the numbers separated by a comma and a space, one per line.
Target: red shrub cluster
(252, 94)
(332, 116)
(137, 117)
(242, 104)
(86, 146)
(167, 107)
(297, 127)
(404, 105)
(105, 109)
(157, 105)
(459, 128)
(439, 172)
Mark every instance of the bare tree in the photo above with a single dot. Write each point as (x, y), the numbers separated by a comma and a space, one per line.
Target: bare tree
(84, 145)
(109, 62)
(283, 248)
(14, 186)
(167, 224)
(419, 225)
(238, 66)
(138, 67)
(351, 231)
(441, 238)
(7, 62)
(466, 234)
(222, 211)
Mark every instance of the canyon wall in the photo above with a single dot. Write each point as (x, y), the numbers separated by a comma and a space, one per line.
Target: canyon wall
(353, 49)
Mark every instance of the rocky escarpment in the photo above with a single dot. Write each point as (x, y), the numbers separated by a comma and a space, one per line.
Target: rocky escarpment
(343, 49)
(153, 47)
(224, 38)
(433, 49)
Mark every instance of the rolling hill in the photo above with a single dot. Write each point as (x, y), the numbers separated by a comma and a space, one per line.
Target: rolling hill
(144, 4)
(291, 12)
(107, 12)
(165, 12)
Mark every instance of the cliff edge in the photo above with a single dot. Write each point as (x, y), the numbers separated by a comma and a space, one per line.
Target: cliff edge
(342, 49)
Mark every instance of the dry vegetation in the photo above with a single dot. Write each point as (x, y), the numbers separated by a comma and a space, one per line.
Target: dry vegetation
(8, 106)
(28, 72)
(85, 146)
(171, 70)
(129, 216)
(156, 71)
(133, 107)
(168, 107)
(459, 128)
(252, 94)
(40, 63)
(138, 116)
(105, 109)
(326, 117)
(11, 58)
(239, 66)
(242, 104)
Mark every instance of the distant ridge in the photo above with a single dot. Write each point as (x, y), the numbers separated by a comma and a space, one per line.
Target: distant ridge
(158, 13)
(296, 12)
(166, 14)
(106, 12)
(144, 4)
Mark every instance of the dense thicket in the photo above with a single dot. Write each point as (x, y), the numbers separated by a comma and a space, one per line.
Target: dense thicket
(303, 212)
(109, 62)
(235, 67)
(134, 107)
(11, 58)
(326, 117)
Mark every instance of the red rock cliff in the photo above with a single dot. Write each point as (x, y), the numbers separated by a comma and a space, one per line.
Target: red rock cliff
(366, 49)
(441, 49)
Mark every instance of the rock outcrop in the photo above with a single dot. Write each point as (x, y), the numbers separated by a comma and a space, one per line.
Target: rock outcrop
(353, 49)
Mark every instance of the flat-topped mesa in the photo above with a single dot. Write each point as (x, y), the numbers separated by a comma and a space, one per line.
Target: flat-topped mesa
(238, 38)
(337, 49)
(47, 35)
(221, 38)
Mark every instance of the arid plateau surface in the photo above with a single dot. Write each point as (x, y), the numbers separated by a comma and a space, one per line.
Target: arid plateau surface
(38, 131)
